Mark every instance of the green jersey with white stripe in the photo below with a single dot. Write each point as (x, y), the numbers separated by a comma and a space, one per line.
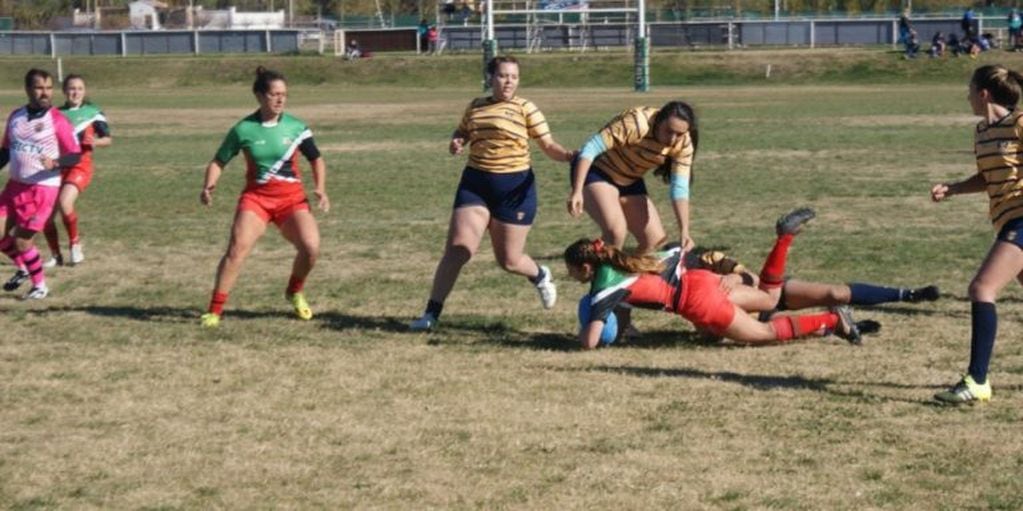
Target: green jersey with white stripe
(270, 148)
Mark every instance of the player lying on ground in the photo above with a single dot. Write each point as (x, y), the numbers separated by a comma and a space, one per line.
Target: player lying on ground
(664, 283)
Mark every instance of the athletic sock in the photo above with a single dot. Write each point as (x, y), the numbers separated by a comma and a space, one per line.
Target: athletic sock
(434, 308)
(295, 285)
(869, 294)
(52, 238)
(34, 265)
(71, 224)
(7, 247)
(217, 302)
(772, 275)
(982, 341)
(793, 327)
(540, 275)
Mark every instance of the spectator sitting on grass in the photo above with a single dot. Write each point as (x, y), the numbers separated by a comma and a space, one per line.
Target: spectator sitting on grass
(352, 50)
(912, 44)
(937, 45)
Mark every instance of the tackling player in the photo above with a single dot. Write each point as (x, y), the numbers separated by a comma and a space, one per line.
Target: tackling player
(607, 176)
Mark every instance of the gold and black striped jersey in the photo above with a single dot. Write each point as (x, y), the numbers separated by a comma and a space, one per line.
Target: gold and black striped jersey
(498, 132)
(999, 152)
(633, 150)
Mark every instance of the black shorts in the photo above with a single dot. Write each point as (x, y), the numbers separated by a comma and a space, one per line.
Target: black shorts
(510, 198)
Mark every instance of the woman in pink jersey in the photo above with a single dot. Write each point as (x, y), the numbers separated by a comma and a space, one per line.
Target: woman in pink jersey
(38, 142)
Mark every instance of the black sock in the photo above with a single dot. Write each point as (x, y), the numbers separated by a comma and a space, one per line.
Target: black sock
(540, 274)
(982, 341)
(434, 308)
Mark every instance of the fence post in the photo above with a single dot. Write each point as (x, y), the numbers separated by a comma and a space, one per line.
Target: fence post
(53, 45)
(269, 48)
(124, 45)
(731, 35)
(195, 42)
(813, 34)
(895, 35)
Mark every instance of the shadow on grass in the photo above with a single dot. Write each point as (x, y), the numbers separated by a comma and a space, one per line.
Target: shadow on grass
(772, 382)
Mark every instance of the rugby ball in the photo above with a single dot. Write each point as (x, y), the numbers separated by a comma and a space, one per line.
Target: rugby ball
(610, 331)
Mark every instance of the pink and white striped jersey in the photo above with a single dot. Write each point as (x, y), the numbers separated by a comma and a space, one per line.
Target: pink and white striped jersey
(30, 136)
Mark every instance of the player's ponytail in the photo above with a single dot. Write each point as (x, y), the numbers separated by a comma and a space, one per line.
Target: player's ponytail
(684, 111)
(1003, 84)
(595, 253)
(265, 77)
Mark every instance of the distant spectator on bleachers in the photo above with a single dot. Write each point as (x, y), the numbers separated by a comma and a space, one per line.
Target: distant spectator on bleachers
(422, 31)
(904, 27)
(955, 45)
(1015, 23)
(967, 24)
(912, 44)
(352, 50)
(937, 46)
(433, 39)
(448, 9)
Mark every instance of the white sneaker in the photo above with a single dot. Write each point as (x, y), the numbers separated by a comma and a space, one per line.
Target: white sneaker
(53, 261)
(36, 293)
(423, 324)
(548, 292)
(76, 254)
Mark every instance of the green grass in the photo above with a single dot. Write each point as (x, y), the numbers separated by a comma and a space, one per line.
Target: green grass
(113, 397)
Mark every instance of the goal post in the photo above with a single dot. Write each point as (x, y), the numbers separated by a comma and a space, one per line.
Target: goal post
(536, 10)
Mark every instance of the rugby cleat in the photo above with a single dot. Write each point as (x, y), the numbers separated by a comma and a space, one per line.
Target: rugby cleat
(847, 328)
(302, 310)
(548, 292)
(55, 260)
(966, 391)
(16, 280)
(210, 320)
(923, 294)
(36, 293)
(868, 326)
(423, 324)
(793, 221)
(77, 257)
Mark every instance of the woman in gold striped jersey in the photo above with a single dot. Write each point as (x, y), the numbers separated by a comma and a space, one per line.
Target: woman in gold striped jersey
(497, 192)
(998, 144)
(607, 176)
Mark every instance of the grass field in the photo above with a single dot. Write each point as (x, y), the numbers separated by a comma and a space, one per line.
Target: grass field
(111, 396)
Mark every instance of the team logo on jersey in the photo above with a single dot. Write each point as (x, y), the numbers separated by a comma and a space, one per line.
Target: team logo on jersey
(519, 215)
(260, 142)
(1011, 235)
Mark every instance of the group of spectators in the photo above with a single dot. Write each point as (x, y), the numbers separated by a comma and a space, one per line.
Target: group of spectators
(970, 43)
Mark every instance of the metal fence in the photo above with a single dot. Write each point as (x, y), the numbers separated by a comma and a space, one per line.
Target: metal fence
(149, 43)
(731, 34)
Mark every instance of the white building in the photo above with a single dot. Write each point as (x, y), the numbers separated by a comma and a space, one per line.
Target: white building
(145, 14)
(231, 19)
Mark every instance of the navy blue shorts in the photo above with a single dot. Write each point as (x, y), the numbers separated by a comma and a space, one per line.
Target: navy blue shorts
(510, 198)
(596, 175)
(1012, 232)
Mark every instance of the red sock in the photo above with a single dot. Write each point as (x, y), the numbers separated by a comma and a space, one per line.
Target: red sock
(295, 285)
(794, 327)
(772, 275)
(217, 302)
(52, 239)
(71, 223)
